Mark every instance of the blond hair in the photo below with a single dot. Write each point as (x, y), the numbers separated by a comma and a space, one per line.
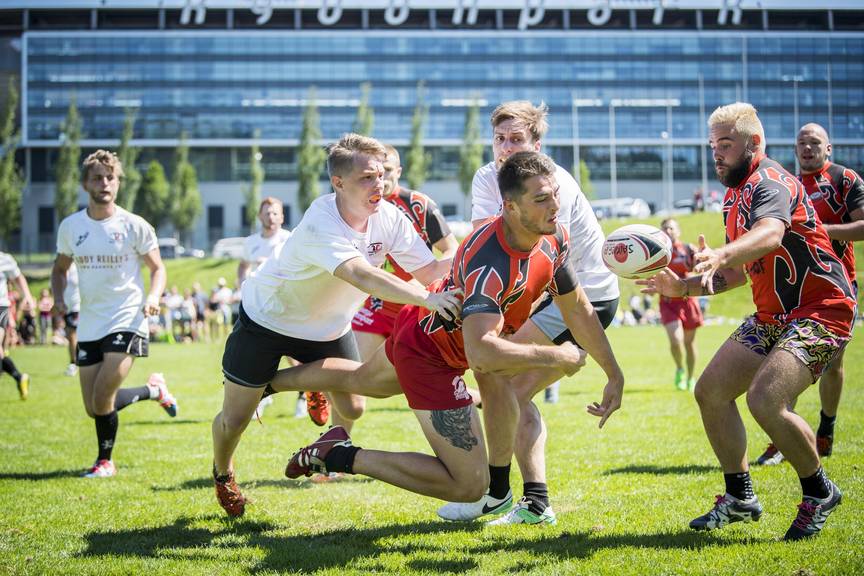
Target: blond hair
(743, 119)
(524, 112)
(105, 158)
(341, 155)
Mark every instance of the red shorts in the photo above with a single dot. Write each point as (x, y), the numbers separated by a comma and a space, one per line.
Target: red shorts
(428, 381)
(374, 318)
(685, 310)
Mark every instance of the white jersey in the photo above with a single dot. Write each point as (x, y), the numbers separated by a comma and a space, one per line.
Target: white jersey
(575, 214)
(297, 295)
(8, 271)
(257, 248)
(107, 253)
(71, 295)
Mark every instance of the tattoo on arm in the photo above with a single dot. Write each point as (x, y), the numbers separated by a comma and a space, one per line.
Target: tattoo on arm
(718, 284)
(455, 426)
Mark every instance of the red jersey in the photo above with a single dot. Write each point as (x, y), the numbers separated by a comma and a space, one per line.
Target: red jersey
(429, 224)
(497, 279)
(836, 191)
(682, 262)
(803, 278)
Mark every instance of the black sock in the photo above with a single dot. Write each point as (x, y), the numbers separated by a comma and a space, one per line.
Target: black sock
(9, 368)
(106, 433)
(127, 396)
(499, 481)
(826, 425)
(739, 485)
(538, 494)
(341, 459)
(816, 486)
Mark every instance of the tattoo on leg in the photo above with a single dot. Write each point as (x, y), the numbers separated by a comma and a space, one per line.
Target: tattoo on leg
(455, 426)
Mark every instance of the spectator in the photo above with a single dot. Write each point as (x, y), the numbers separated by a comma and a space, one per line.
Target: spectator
(45, 304)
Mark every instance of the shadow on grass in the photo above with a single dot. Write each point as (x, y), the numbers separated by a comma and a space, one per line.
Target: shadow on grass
(371, 546)
(171, 422)
(47, 475)
(207, 482)
(662, 470)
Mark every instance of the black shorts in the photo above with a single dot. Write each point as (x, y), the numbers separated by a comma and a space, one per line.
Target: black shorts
(605, 310)
(71, 320)
(93, 352)
(253, 352)
(4, 317)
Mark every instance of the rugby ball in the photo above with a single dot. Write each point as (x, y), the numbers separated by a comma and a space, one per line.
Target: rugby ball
(637, 251)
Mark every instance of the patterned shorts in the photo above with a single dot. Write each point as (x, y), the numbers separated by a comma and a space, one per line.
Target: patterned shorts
(806, 339)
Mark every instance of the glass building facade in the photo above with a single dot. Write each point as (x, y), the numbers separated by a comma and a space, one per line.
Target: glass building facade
(631, 90)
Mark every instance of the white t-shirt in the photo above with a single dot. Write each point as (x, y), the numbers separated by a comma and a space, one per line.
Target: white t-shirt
(71, 296)
(297, 295)
(257, 248)
(107, 253)
(8, 271)
(586, 237)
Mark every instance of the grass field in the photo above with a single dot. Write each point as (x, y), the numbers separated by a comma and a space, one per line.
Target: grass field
(623, 495)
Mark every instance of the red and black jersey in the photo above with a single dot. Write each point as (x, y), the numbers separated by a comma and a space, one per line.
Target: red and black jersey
(836, 191)
(682, 261)
(496, 279)
(429, 224)
(803, 278)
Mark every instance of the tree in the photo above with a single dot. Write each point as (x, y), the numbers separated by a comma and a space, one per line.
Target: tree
(131, 181)
(471, 153)
(185, 196)
(417, 160)
(311, 157)
(365, 119)
(151, 202)
(256, 177)
(68, 172)
(585, 180)
(11, 179)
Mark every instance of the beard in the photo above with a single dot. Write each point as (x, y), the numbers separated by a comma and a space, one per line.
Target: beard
(544, 229)
(736, 173)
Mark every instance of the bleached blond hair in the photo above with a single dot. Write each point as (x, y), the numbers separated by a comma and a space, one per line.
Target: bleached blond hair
(743, 118)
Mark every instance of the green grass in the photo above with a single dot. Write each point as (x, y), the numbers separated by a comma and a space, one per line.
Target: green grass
(623, 495)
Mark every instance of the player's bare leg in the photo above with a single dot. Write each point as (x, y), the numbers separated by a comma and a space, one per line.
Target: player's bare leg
(238, 408)
(375, 378)
(457, 471)
(675, 333)
(350, 407)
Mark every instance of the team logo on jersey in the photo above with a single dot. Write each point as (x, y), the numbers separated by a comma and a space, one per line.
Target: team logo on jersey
(374, 248)
(115, 237)
(82, 238)
(460, 391)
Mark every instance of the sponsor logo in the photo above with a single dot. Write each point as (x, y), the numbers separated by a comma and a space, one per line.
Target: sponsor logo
(82, 238)
(460, 392)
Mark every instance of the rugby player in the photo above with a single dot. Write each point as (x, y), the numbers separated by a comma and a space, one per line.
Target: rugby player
(681, 316)
(504, 266)
(837, 194)
(301, 304)
(9, 271)
(520, 126)
(805, 307)
(108, 244)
